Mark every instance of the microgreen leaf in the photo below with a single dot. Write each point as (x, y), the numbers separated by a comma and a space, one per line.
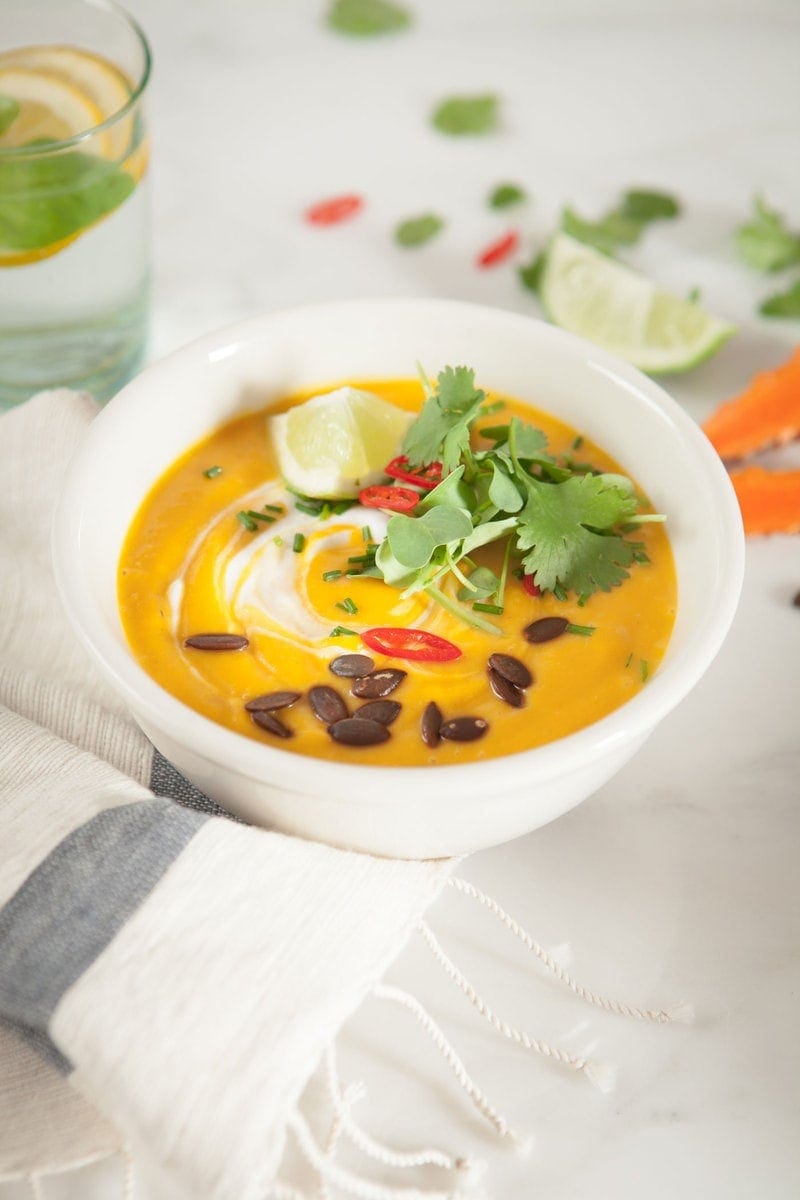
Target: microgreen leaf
(766, 242)
(9, 111)
(465, 115)
(452, 490)
(365, 18)
(446, 524)
(482, 583)
(410, 542)
(417, 230)
(782, 304)
(505, 195)
(502, 492)
(46, 198)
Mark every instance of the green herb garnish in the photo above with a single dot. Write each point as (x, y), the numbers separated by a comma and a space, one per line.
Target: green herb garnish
(278, 541)
(578, 442)
(766, 242)
(479, 606)
(623, 225)
(782, 304)
(260, 516)
(247, 521)
(365, 18)
(212, 472)
(465, 115)
(505, 195)
(341, 631)
(629, 660)
(530, 276)
(417, 230)
(273, 508)
(581, 630)
(348, 606)
(366, 534)
(644, 670)
(298, 543)
(329, 576)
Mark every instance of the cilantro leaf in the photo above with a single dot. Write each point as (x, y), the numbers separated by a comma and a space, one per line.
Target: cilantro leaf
(46, 199)
(503, 492)
(9, 111)
(441, 431)
(505, 195)
(765, 242)
(417, 230)
(563, 526)
(782, 304)
(365, 18)
(611, 231)
(645, 206)
(530, 276)
(458, 116)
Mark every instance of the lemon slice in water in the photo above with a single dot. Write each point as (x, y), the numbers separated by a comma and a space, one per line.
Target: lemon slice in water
(335, 444)
(584, 291)
(49, 107)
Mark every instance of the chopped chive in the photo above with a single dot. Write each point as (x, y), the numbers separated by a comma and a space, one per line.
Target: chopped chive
(479, 606)
(278, 541)
(340, 631)
(247, 521)
(299, 542)
(311, 507)
(366, 534)
(276, 508)
(629, 660)
(559, 592)
(353, 574)
(347, 606)
(518, 573)
(583, 600)
(576, 445)
(341, 506)
(581, 630)
(260, 516)
(329, 575)
(212, 472)
(325, 512)
(495, 433)
(362, 558)
(644, 670)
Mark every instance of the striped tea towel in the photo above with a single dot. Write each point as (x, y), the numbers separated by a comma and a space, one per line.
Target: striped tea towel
(169, 978)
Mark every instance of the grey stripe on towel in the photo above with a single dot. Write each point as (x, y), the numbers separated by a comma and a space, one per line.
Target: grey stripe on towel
(166, 780)
(72, 905)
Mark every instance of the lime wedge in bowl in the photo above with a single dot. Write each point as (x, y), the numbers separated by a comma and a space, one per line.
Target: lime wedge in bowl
(584, 291)
(335, 444)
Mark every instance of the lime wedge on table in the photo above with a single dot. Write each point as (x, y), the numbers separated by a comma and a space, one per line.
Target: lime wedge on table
(336, 443)
(584, 291)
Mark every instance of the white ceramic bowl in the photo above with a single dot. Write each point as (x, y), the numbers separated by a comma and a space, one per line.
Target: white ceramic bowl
(405, 811)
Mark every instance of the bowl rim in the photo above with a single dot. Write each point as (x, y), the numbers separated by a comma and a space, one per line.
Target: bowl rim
(217, 744)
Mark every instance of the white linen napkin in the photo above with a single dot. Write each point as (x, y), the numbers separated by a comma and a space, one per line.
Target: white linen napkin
(169, 978)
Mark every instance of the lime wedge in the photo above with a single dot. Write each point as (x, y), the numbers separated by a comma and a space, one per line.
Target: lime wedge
(584, 291)
(335, 444)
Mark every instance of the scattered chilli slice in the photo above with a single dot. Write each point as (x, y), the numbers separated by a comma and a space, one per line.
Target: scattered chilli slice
(766, 413)
(769, 500)
(498, 251)
(395, 499)
(334, 210)
(414, 644)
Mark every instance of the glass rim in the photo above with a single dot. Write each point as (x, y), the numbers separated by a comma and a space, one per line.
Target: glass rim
(77, 139)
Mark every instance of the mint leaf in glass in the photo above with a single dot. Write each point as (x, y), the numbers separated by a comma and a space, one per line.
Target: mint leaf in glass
(466, 115)
(9, 110)
(365, 18)
(46, 198)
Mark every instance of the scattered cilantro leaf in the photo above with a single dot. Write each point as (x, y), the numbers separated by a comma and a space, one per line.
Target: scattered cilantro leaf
(782, 304)
(765, 242)
(645, 206)
(417, 230)
(530, 276)
(611, 231)
(460, 116)
(48, 198)
(505, 195)
(694, 295)
(365, 18)
(9, 111)
(568, 530)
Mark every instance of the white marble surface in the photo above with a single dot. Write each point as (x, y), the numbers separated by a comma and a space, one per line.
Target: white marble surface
(679, 880)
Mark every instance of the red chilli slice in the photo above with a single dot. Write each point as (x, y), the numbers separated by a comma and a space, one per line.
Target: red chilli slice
(396, 499)
(531, 587)
(414, 644)
(426, 477)
(498, 251)
(334, 210)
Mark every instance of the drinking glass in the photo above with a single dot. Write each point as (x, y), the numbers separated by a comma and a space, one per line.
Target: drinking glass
(74, 235)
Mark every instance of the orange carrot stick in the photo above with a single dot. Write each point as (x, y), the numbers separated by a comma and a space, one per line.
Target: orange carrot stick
(769, 500)
(766, 413)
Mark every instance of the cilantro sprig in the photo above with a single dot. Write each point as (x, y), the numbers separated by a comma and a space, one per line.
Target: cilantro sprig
(765, 242)
(564, 523)
(366, 18)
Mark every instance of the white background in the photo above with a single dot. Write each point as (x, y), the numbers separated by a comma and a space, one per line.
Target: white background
(679, 880)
